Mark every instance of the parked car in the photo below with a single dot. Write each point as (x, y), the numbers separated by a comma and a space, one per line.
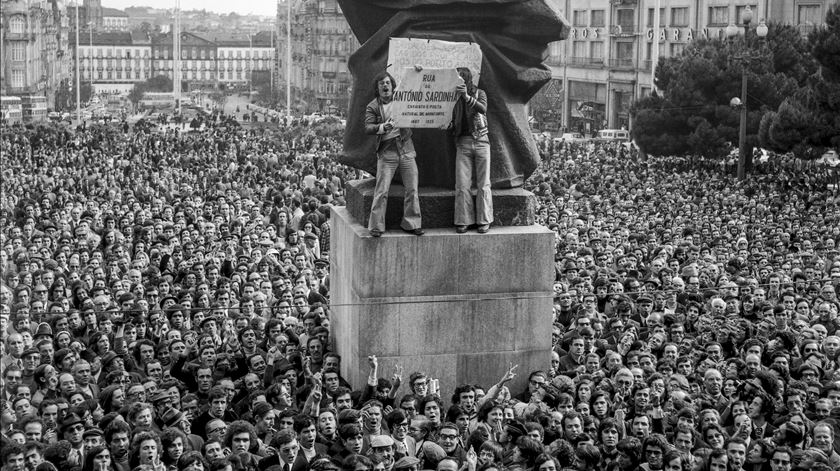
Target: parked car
(572, 137)
(621, 135)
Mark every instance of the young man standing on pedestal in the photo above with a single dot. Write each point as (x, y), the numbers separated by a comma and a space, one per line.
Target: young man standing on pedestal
(394, 151)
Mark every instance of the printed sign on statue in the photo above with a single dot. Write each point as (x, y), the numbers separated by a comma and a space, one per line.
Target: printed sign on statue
(425, 98)
(405, 53)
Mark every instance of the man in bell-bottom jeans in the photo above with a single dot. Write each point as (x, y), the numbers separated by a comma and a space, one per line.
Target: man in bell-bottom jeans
(394, 152)
(472, 158)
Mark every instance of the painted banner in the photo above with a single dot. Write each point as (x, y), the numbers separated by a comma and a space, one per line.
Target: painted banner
(425, 98)
(405, 53)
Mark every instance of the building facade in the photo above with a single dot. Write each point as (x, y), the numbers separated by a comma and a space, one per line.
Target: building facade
(33, 46)
(113, 62)
(198, 59)
(606, 62)
(321, 44)
(114, 20)
(242, 56)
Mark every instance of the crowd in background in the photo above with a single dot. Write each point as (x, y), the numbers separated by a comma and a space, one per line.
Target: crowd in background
(165, 305)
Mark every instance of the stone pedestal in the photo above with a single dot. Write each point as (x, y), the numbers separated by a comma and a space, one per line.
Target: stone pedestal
(458, 307)
(511, 207)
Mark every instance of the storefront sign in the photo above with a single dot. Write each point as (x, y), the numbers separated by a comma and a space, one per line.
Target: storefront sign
(584, 33)
(685, 34)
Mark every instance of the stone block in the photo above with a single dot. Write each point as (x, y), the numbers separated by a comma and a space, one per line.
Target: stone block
(459, 307)
(511, 207)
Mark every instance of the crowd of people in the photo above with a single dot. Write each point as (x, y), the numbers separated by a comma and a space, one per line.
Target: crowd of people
(165, 306)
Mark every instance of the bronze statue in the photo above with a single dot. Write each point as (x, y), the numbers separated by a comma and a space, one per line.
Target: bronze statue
(513, 36)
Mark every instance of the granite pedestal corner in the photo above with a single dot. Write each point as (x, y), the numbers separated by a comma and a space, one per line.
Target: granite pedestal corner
(459, 307)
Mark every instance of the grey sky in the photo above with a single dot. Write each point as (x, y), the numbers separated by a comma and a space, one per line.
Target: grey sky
(260, 7)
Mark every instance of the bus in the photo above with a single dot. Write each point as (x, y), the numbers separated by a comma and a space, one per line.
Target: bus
(34, 108)
(11, 110)
(157, 100)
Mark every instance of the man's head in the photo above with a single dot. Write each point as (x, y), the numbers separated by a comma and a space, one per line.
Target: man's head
(384, 85)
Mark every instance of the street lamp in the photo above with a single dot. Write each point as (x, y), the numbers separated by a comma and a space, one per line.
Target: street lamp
(731, 32)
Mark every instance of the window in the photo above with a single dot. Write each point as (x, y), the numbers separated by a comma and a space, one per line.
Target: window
(598, 18)
(18, 51)
(719, 16)
(677, 49)
(157, 53)
(579, 49)
(679, 16)
(203, 54)
(18, 78)
(624, 18)
(624, 54)
(579, 17)
(194, 53)
(119, 52)
(597, 53)
(650, 50)
(810, 15)
(17, 24)
(651, 19)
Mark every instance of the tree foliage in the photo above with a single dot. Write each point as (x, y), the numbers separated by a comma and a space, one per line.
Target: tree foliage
(808, 121)
(692, 113)
(160, 83)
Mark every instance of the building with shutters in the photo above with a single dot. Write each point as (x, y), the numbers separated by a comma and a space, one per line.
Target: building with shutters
(321, 46)
(112, 62)
(605, 64)
(34, 48)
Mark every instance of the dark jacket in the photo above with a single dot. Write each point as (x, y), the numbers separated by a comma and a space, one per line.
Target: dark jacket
(472, 108)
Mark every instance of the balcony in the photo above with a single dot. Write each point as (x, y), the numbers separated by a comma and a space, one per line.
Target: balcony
(585, 61)
(623, 30)
(622, 63)
(18, 36)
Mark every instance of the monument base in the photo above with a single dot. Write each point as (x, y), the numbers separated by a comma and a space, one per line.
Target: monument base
(458, 307)
(511, 207)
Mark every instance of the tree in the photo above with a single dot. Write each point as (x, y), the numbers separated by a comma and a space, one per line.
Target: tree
(808, 121)
(693, 113)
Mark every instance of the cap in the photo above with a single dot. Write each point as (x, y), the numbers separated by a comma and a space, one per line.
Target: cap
(406, 462)
(171, 417)
(644, 298)
(377, 441)
(44, 330)
(30, 351)
(160, 396)
(321, 262)
(108, 358)
(515, 428)
(93, 432)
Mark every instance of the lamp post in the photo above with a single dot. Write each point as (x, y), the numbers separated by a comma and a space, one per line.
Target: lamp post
(731, 32)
